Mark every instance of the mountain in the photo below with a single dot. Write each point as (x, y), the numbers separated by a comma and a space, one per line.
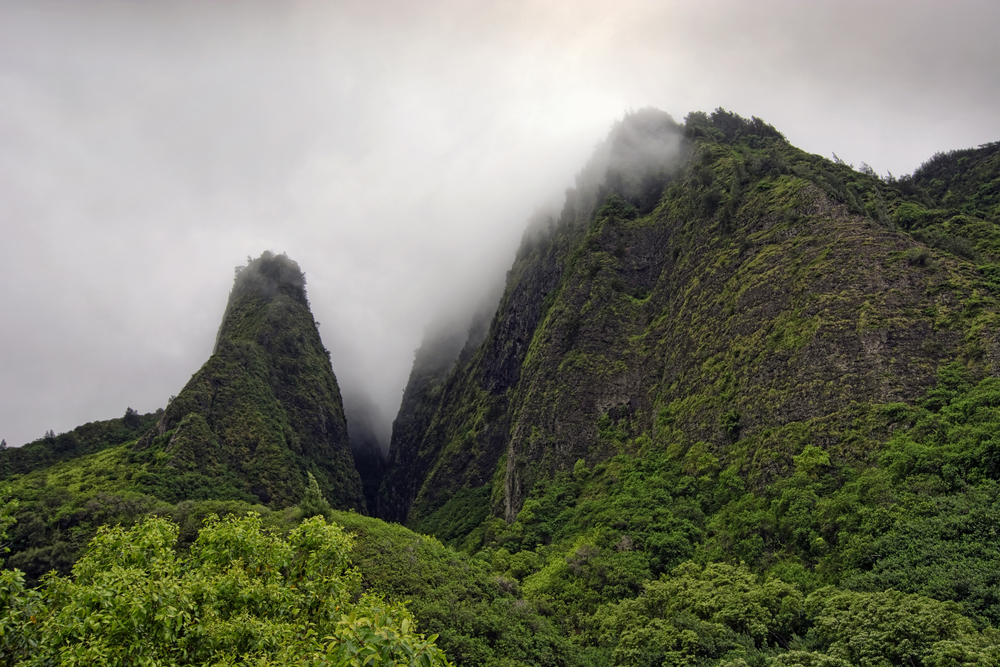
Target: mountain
(247, 429)
(731, 361)
(264, 410)
(735, 403)
(712, 294)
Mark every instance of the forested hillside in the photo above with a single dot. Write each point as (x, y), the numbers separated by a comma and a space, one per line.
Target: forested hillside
(735, 353)
(262, 414)
(738, 406)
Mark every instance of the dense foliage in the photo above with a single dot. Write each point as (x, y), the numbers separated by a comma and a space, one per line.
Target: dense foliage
(241, 595)
(480, 617)
(735, 314)
(263, 412)
(620, 553)
(87, 439)
(713, 382)
(738, 407)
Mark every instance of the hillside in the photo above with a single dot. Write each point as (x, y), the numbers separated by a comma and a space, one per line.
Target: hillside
(259, 416)
(736, 402)
(764, 304)
(781, 361)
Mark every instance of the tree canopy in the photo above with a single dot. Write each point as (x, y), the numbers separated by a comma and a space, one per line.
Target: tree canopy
(242, 595)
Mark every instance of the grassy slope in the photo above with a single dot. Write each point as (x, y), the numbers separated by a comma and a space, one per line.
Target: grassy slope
(86, 439)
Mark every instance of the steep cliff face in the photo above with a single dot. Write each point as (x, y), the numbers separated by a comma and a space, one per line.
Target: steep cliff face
(263, 411)
(709, 292)
(453, 425)
(408, 464)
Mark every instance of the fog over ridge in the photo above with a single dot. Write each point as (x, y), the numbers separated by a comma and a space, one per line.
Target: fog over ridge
(395, 150)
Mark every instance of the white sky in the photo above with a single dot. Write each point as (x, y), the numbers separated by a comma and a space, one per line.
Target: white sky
(393, 149)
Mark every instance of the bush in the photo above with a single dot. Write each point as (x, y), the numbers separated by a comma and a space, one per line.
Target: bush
(918, 256)
(243, 596)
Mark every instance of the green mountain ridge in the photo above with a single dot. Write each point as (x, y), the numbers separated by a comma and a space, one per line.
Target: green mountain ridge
(768, 298)
(736, 404)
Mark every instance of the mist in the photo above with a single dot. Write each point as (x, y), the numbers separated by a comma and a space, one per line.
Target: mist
(395, 150)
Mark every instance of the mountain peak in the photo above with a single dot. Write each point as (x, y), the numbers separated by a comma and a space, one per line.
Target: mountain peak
(270, 275)
(710, 292)
(265, 410)
(262, 281)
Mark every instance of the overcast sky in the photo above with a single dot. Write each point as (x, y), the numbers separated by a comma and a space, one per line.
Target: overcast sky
(394, 149)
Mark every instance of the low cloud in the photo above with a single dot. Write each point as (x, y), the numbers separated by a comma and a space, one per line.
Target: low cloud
(395, 150)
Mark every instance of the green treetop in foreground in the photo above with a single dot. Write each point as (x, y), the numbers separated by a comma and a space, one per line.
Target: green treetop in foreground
(242, 596)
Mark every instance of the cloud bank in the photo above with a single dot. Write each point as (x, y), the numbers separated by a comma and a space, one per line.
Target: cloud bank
(395, 150)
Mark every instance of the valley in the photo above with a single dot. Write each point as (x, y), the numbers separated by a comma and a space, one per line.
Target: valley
(736, 403)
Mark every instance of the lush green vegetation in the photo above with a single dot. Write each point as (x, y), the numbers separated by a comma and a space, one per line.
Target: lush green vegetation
(738, 408)
(735, 318)
(253, 426)
(87, 439)
(480, 617)
(709, 394)
(967, 180)
(263, 412)
(656, 560)
(239, 595)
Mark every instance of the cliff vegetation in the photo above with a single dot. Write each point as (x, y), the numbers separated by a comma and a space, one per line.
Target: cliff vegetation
(737, 406)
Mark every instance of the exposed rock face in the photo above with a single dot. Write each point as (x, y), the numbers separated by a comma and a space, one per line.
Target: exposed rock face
(265, 409)
(408, 465)
(431, 434)
(750, 310)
